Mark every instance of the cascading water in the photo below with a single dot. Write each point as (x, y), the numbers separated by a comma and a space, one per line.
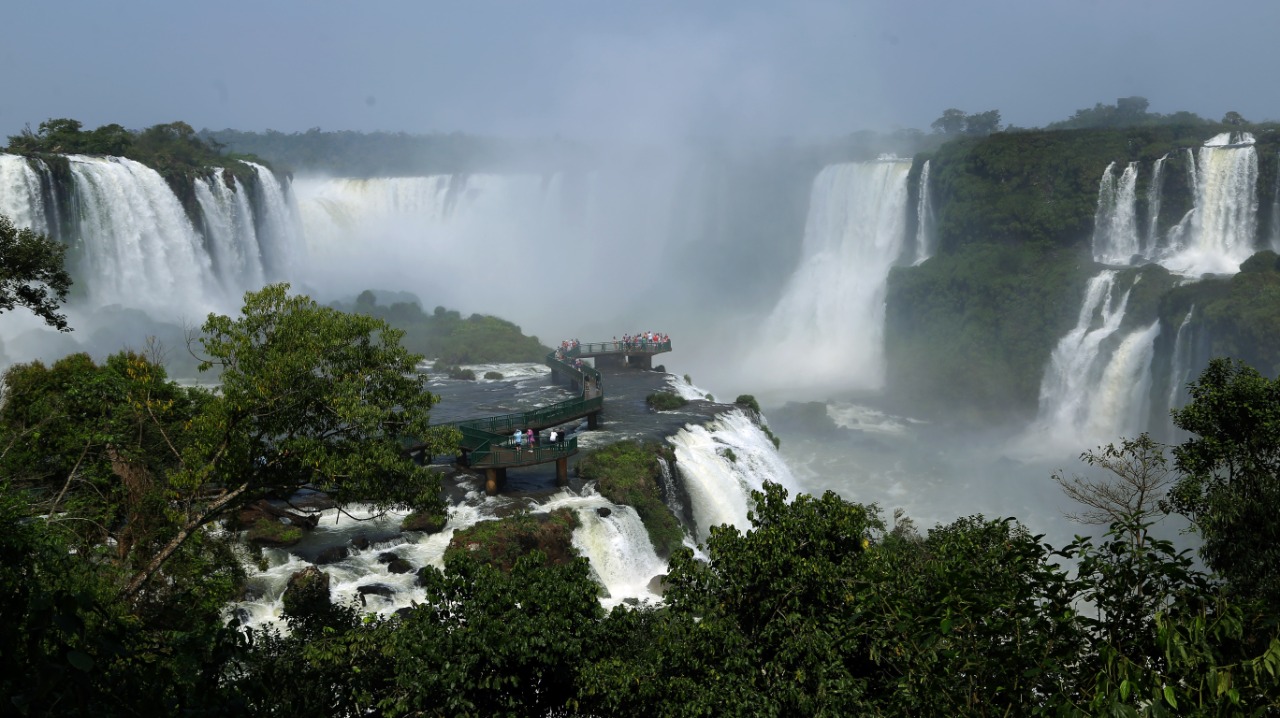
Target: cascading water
(229, 233)
(1153, 209)
(132, 244)
(1073, 394)
(1115, 225)
(924, 218)
(1180, 366)
(21, 199)
(721, 464)
(136, 245)
(830, 319)
(1224, 221)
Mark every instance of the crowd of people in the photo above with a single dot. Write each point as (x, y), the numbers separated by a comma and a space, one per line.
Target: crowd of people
(530, 439)
(644, 340)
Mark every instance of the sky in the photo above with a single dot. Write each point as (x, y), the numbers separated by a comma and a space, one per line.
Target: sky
(596, 69)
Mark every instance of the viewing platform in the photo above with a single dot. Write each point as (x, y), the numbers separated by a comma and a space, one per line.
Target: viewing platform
(489, 443)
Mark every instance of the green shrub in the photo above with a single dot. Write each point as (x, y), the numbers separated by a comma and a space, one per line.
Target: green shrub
(748, 401)
(666, 401)
(494, 375)
(502, 542)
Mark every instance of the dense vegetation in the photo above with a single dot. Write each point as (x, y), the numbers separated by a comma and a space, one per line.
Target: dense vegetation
(112, 588)
(173, 149)
(449, 339)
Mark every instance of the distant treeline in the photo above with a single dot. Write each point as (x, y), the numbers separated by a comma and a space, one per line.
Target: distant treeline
(374, 154)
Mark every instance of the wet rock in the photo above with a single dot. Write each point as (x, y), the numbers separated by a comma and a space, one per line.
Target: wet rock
(333, 554)
(658, 584)
(400, 566)
(360, 542)
(604, 511)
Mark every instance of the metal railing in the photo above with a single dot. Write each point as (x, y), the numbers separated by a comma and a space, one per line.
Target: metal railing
(636, 346)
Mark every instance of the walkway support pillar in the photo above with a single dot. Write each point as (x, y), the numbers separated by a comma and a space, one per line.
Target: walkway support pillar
(562, 471)
(493, 480)
(593, 420)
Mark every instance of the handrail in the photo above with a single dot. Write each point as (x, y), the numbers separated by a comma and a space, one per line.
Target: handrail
(620, 347)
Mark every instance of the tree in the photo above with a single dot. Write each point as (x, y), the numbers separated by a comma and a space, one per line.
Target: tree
(951, 122)
(1230, 482)
(1140, 477)
(982, 123)
(1234, 118)
(32, 273)
(309, 397)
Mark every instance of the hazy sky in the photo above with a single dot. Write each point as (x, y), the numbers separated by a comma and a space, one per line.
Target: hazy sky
(606, 68)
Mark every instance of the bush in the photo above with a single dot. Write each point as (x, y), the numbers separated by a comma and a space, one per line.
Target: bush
(494, 375)
(666, 401)
(502, 542)
(749, 402)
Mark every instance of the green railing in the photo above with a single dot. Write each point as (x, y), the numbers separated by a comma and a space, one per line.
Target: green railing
(619, 347)
(509, 454)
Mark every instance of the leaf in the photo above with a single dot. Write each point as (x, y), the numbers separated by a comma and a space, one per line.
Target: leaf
(1168, 696)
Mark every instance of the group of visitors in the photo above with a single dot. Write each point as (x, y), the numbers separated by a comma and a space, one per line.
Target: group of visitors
(645, 340)
(530, 439)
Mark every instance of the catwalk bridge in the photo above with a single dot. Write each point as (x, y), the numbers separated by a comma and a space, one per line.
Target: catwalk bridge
(489, 443)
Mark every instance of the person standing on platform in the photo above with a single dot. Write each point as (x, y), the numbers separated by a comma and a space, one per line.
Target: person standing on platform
(519, 439)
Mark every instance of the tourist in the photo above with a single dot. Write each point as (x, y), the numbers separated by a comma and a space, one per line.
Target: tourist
(518, 439)
(553, 437)
(529, 438)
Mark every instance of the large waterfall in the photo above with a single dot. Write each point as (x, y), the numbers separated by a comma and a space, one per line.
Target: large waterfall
(133, 244)
(827, 329)
(1115, 226)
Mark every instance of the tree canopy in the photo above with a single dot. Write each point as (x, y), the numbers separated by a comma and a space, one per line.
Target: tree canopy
(32, 273)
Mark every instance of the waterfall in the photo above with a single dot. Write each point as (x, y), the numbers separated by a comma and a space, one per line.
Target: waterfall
(1153, 209)
(1223, 224)
(1070, 385)
(277, 225)
(229, 233)
(1115, 224)
(924, 218)
(721, 464)
(1180, 364)
(136, 246)
(830, 319)
(21, 199)
(1120, 404)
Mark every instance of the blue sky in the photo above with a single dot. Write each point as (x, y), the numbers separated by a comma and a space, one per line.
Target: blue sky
(602, 68)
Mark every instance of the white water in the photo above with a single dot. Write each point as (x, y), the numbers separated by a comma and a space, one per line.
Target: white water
(1073, 382)
(924, 218)
(1220, 232)
(1115, 226)
(830, 318)
(1180, 364)
(618, 547)
(1153, 208)
(719, 485)
(230, 233)
(20, 197)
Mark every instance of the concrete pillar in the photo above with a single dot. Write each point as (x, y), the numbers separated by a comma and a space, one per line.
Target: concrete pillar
(593, 420)
(493, 480)
(562, 471)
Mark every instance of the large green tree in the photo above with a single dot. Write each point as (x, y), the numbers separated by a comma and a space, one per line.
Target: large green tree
(32, 273)
(1230, 483)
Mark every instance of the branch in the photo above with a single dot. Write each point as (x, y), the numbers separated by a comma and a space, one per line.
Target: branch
(136, 583)
(58, 499)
